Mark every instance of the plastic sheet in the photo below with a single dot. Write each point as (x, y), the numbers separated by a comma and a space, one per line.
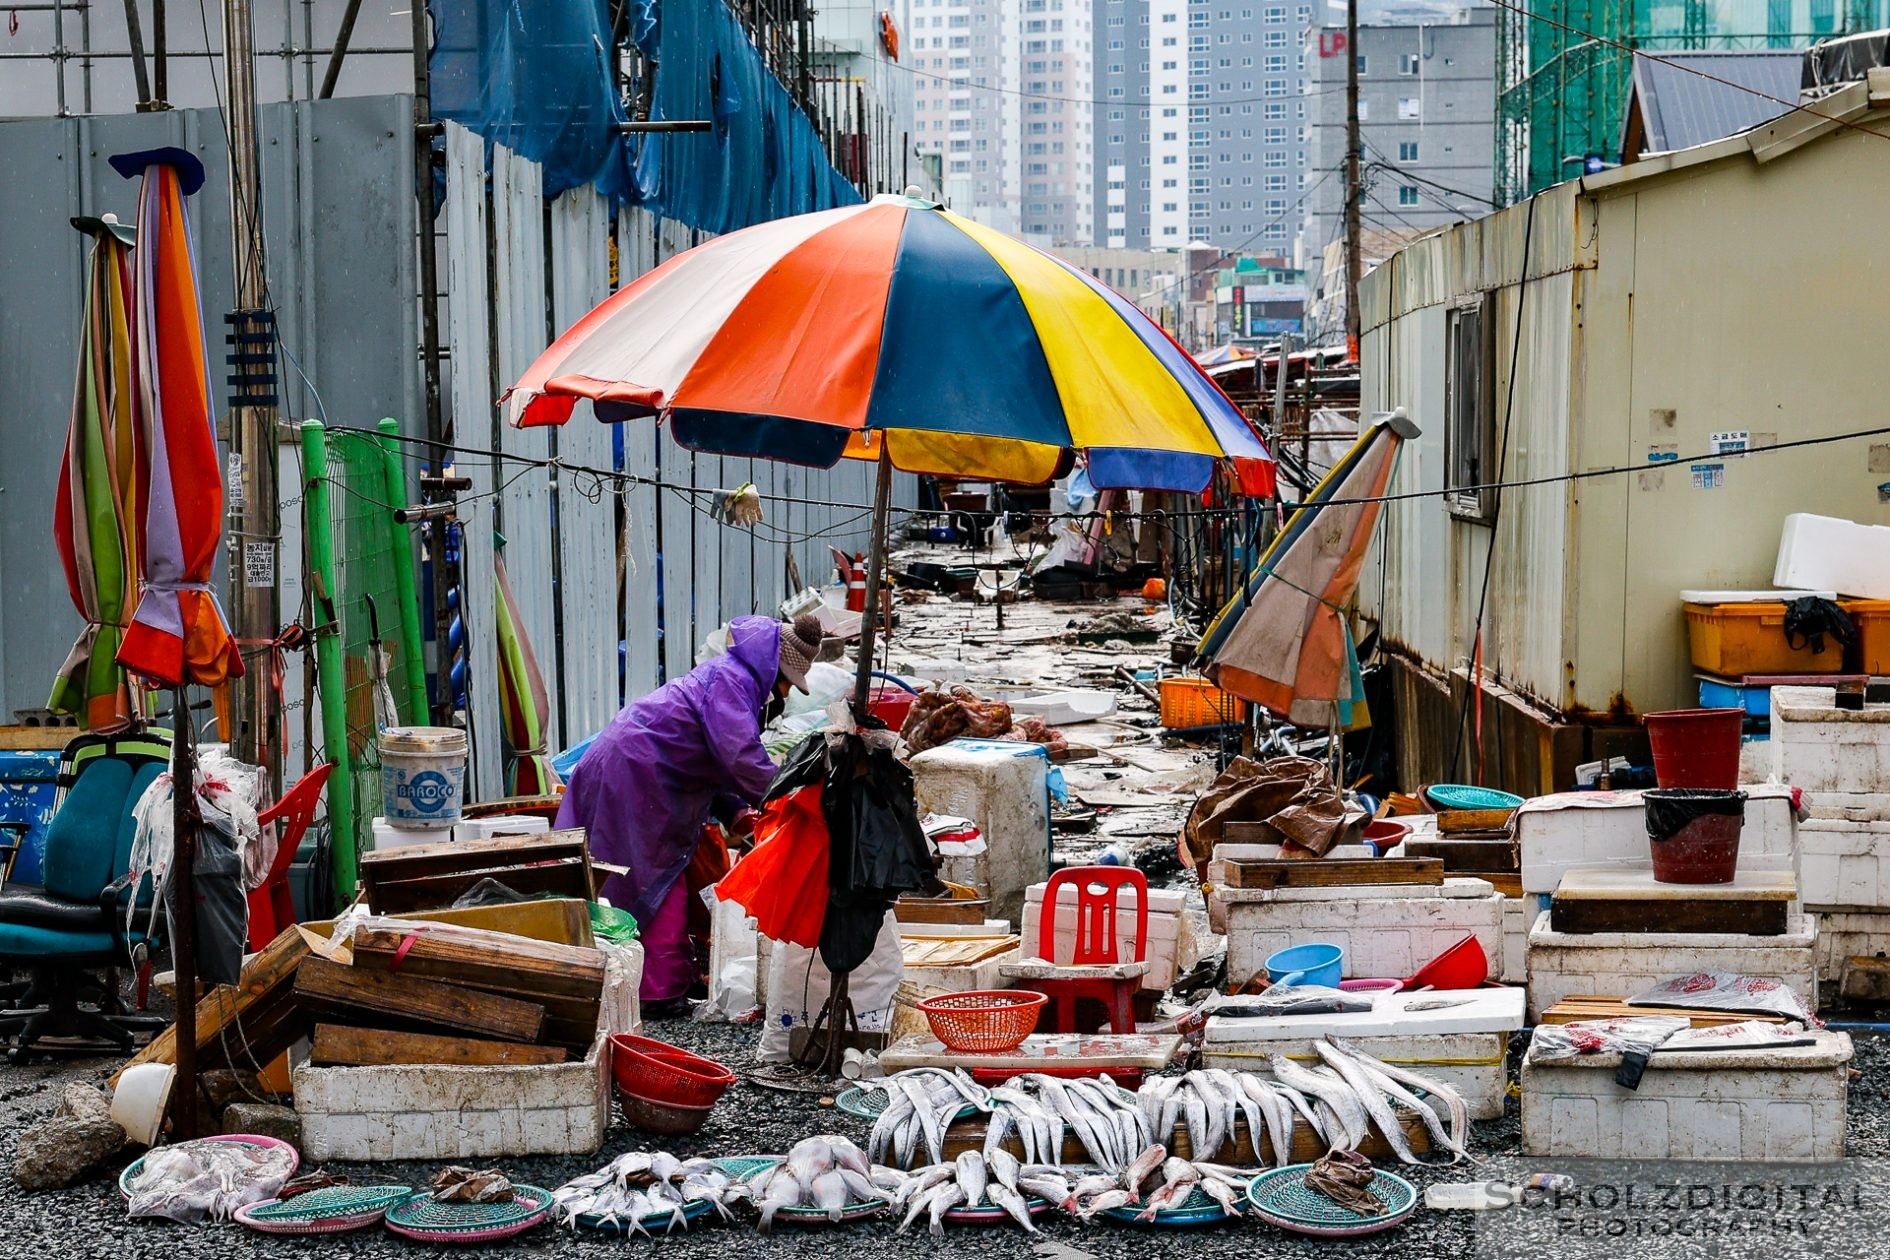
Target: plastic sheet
(1728, 991)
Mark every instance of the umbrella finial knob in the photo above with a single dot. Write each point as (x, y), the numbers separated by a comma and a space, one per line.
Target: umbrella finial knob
(108, 218)
(913, 190)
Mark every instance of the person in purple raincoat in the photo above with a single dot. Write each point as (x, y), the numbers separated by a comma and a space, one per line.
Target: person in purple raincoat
(646, 787)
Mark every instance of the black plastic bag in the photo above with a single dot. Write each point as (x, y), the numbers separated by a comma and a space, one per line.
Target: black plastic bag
(876, 848)
(222, 924)
(1671, 809)
(1813, 617)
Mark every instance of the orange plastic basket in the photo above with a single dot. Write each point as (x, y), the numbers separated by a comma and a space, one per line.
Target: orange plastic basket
(1190, 702)
(986, 1021)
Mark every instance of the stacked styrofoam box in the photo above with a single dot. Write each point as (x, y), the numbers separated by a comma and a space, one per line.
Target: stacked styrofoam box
(1164, 929)
(921, 983)
(438, 1111)
(1784, 1105)
(1518, 914)
(1830, 553)
(500, 825)
(1558, 833)
(1821, 748)
(1622, 964)
(1004, 788)
(388, 836)
(1462, 1045)
(1385, 930)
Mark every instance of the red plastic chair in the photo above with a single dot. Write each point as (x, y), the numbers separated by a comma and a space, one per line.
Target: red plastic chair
(271, 909)
(1101, 972)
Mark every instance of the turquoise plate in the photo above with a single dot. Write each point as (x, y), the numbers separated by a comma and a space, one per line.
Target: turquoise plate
(1280, 1197)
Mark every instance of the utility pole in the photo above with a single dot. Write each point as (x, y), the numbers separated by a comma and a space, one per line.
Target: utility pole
(254, 521)
(1354, 265)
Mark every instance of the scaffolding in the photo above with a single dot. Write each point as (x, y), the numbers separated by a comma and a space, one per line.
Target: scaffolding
(1563, 68)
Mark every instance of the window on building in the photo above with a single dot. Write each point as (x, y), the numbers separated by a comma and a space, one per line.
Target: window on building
(1276, 157)
(1407, 194)
(1407, 63)
(1276, 64)
(1469, 410)
(1407, 150)
(1276, 39)
(1409, 109)
(1363, 61)
(1275, 110)
(1276, 135)
(1275, 14)
(1277, 87)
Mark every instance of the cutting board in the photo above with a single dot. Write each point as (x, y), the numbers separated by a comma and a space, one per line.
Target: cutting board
(963, 951)
(1611, 899)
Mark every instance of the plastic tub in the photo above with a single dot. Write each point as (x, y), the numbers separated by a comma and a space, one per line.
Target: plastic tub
(1873, 634)
(423, 775)
(1736, 639)
(1307, 964)
(1696, 748)
(1694, 833)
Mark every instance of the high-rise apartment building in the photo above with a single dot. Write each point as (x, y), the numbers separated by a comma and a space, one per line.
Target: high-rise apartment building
(1200, 123)
(1004, 96)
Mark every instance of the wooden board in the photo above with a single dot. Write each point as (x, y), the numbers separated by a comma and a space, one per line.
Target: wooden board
(564, 877)
(336, 1045)
(1327, 873)
(431, 876)
(1462, 856)
(243, 1010)
(372, 996)
(1455, 820)
(953, 951)
(1612, 884)
(941, 909)
(1606, 899)
(1581, 1007)
(1509, 884)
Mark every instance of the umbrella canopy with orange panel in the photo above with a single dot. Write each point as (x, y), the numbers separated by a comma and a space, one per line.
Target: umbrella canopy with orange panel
(1283, 641)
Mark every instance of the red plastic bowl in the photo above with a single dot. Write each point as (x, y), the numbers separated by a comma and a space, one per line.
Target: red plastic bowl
(662, 1073)
(1385, 834)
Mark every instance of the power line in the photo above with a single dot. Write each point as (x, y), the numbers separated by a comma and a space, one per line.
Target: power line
(961, 81)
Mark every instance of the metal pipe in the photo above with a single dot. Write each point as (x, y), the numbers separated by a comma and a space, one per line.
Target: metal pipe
(59, 63)
(666, 124)
(875, 561)
(328, 663)
(161, 76)
(340, 53)
(134, 35)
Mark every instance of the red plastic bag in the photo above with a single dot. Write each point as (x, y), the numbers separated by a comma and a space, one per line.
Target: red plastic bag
(783, 881)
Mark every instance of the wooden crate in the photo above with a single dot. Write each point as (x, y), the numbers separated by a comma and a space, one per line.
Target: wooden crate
(1328, 873)
(431, 876)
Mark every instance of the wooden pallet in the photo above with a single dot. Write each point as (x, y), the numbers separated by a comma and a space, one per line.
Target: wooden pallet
(1328, 872)
(432, 876)
(1462, 855)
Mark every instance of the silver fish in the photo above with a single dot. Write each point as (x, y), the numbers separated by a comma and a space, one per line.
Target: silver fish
(1091, 1186)
(1371, 1096)
(887, 1125)
(1231, 1097)
(1194, 1108)
(1222, 1193)
(781, 1191)
(1275, 1113)
(1459, 1111)
(861, 1189)
(829, 1193)
(1003, 1167)
(663, 1195)
(664, 1166)
(1000, 1124)
(702, 1192)
(1013, 1204)
(943, 1200)
(921, 1181)
(809, 1158)
(888, 1179)
(1102, 1203)
(846, 1154)
(1049, 1186)
(1344, 1103)
(1179, 1178)
(1141, 1169)
(1433, 1124)
(972, 1177)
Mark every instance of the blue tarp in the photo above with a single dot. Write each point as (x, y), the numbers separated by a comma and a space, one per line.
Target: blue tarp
(536, 76)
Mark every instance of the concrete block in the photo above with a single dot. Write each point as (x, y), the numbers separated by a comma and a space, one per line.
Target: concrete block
(1760, 1106)
(1844, 865)
(1621, 964)
(439, 1111)
(1569, 829)
(1381, 936)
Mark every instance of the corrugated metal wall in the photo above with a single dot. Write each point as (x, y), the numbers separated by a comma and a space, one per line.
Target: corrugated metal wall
(683, 573)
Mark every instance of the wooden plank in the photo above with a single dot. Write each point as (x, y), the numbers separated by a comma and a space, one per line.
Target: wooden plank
(412, 860)
(265, 974)
(566, 877)
(1507, 883)
(1467, 857)
(932, 951)
(1579, 1008)
(1612, 884)
(337, 1045)
(1589, 915)
(482, 960)
(411, 1001)
(1327, 873)
(37, 738)
(1455, 820)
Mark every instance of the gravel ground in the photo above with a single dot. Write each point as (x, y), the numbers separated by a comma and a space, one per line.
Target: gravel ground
(89, 1220)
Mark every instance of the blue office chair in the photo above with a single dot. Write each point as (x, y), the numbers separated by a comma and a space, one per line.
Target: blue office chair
(74, 924)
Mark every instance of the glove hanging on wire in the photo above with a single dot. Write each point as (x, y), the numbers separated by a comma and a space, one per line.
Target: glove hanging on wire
(740, 506)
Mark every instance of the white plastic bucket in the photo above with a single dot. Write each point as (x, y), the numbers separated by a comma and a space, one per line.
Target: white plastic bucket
(423, 775)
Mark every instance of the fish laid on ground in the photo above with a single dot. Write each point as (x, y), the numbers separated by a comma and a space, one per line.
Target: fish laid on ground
(1222, 1193)
(781, 1191)
(1334, 1093)
(1049, 1186)
(1373, 1099)
(1013, 1204)
(1179, 1178)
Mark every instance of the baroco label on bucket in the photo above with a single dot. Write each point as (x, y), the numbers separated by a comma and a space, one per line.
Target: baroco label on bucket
(423, 771)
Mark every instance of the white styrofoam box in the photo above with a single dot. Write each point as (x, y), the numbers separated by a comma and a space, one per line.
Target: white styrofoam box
(1821, 748)
(1849, 806)
(1829, 553)
(1164, 929)
(1382, 936)
(1569, 829)
(1843, 936)
(1622, 964)
(1763, 1106)
(1750, 597)
(921, 983)
(388, 836)
(1755, 759)
(1004, 788)
(500, 825)
(440, 1111)
(1518, 914)
(1461, 1046)
(1844, 864)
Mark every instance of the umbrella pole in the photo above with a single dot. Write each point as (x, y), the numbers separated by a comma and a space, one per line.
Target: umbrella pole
(184, 916)
(875, 562)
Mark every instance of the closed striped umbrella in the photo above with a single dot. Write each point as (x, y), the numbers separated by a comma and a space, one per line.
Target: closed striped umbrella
(974, 354)
(524, 703)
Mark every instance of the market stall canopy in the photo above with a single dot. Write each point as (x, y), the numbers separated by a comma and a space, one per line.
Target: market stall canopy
(97, 505)
(975, 355)
(1282, 641)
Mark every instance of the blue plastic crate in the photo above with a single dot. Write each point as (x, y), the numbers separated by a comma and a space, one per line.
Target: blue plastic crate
(1717, 694)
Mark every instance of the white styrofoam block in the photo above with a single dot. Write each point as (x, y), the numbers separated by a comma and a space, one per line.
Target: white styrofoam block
(1622, 964)
(1763, 1106)
(1569, 829)
(1381, 936)
(1845, 935)
(1848, 806)
(388, 836)
(1518, 914)
(1472, 1063)
(1844, 864)
(500, 825)
(1821, 748)
(439, 1111)
(1005, 789)
(1829, 553)
(1454, 888)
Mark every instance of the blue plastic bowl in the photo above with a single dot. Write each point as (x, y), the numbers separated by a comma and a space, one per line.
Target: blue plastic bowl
(1464, 796)
(1307, 964)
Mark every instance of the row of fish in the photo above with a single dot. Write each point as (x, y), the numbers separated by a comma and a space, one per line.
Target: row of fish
(1340, 1099)
(640, 1185)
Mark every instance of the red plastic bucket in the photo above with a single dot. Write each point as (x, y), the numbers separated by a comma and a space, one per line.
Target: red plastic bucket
(1694, 834)
(1696, 748)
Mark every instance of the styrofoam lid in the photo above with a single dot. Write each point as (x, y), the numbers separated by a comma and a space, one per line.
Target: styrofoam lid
(1750, 597)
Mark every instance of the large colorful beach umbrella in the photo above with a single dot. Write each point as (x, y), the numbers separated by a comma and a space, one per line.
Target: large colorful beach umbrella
(178, 633)
(973, 353)
(97, 504)
(1282, 641)
(524, 703)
